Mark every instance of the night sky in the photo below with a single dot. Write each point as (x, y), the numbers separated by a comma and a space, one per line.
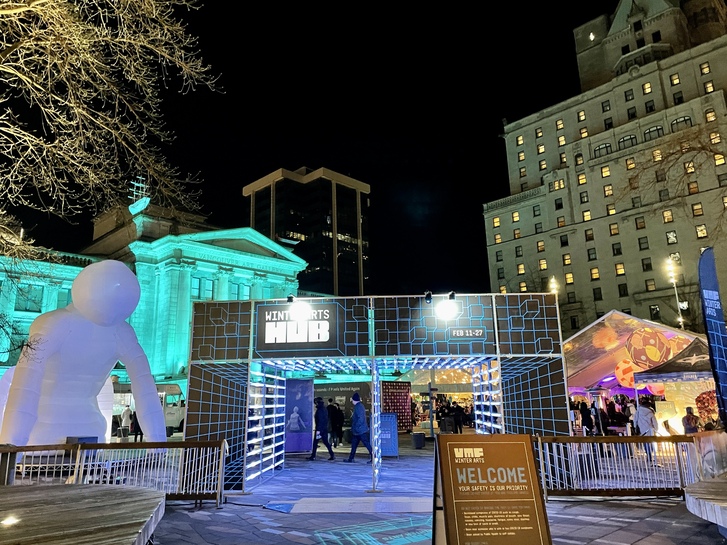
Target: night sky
(411, 103)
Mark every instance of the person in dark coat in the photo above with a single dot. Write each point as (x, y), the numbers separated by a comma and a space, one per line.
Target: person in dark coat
(359, 428)
(331, 408)
(321, 429)
(586, 418)
(338, 419)
(457, 413)
(136, 428)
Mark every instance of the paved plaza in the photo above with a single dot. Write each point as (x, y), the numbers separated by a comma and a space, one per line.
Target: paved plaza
(331, 503)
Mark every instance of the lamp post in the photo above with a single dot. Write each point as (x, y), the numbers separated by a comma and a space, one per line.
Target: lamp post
(672, 279)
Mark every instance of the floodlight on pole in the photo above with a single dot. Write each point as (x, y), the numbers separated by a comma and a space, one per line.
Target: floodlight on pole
(672, 279)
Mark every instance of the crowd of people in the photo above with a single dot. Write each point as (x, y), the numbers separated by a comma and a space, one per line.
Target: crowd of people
(452, 414)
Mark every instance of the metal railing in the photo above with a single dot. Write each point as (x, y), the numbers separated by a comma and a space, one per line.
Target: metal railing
(185, 470)
(618, 466)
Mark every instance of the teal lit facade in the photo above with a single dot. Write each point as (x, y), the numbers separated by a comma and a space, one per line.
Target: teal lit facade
(178, 260)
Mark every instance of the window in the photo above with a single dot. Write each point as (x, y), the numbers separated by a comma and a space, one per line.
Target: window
(518, 251)
(650, 284)
(558, 204)
(592, 254)
(516, 233)
(563, 240)
(701, 231)
(574, 322)
(628, 95)
(630, 163)
(542, 165)
(521, 268)
(496, 221)
(563, 159)
(656, 155)
(586, 215)
(589, 234)
(649, 106)
(620, 269)
(500, 273)
(581, 179)
(633, 183)
(613, 229)
(605, 171)
(541, 149)
(616, 248)
(635, 202)
(722, 179)
(608, 124)
(676, 257)
(571, 297)
(202, 289)
(582, 115)
(660, 175)
(538, 227)
(631, 113)
(714, 138)
(519, 140)
(498, 255)
(595, 275)
(640, 222)
(680, 123)
(667, 216)
(561, 221)
(523, 286)
(643, 243)
(557, 184)
(520, 156)
(29, 298)
(623, 290)
(646, 88)
(542, 264)
(689, 167)
(627, 141)
(536, 210)
(693, 188)
(654, 312)
(584, 132)
(515, 216)
(671, 237)
(608, 190)
(704, 68)
(663, 195)
(584, 197)
(523, 173)
(646, 264)
(674, 79)
(579, 159)
(718, 159)
(559, 125)
(597, 295)
(498, 238)
(709, 87)
(539, 132)
(610, 209)
(566, 259)
(710, 115)
(697, 209)
(569, 278)
(601, 150)
(605, 106)
(561, 141)
(541, 245)
(653, 132)
(503, 289)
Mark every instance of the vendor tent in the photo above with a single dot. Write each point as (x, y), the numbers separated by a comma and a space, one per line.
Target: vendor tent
(690, 364)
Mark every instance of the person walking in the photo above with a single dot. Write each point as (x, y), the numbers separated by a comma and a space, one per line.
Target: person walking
(359, 429)
(458, 416)
(321, 429)
(136, 428)
(331, 408)
(645, 422)
(586, 419)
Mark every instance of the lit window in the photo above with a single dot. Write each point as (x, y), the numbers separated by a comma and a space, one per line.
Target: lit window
(704, 68)
(557, 184)
(561, 221)
(498, 238)
(538, 132)
(607, 190)
(656, 155)
(710, 115)
(684, 146)
(582, 115)
(620, 269)
(523, 172)
(640, 222)
(714, 138)
(516, 233)
(630, 163)
(594, 274)
(671, 237)
(697, 209)
(689, 167)
(516, 216)
(693, 187)
(674, 79)
(520, 155)
(667, 216)
(605, 172)
(586, 215)
(523, 286)
(582, 179)
(643, 243)
(541, 246)
(613, 229)
(588, 233)
(566, 259)
(541, 149)
(543, 265)
(579, 159)
(496, 221)
(709, 87)
(568, 278)
(650, 284)
(521, 268)
(519, 140)
(724, 202)
(561, 141)
(563, 158)
(610, 209)
(503, 289)
(701, 231)
(559, 124)
(646, 88)
(584, 132)
(718, 159)
(542, 165)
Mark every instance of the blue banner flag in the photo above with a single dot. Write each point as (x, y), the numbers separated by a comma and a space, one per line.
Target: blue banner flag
(715, 326)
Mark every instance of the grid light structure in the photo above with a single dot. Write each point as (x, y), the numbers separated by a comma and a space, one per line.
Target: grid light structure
(509, 343)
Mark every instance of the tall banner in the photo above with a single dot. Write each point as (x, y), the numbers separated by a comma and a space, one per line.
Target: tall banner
(715, 327)
(299, 411)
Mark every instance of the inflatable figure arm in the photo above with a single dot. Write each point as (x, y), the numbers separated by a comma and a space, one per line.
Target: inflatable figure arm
(149, 410)
(21, 411)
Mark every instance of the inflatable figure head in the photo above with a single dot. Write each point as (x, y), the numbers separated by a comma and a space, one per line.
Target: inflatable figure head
(106, 293)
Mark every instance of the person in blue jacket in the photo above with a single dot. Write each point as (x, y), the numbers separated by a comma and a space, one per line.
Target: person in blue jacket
(321, 433)
(359, 428)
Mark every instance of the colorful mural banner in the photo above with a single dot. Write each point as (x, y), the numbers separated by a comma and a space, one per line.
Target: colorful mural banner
(715, 326)
(299, 415)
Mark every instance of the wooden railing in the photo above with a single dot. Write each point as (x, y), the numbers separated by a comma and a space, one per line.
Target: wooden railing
(185, 470)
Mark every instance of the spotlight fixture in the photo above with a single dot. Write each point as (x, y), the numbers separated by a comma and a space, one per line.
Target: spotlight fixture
(451, 295)
(291, 298)
(428, 297)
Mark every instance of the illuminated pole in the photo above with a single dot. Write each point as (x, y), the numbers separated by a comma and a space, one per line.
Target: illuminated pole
(672, 279)
(554, 287)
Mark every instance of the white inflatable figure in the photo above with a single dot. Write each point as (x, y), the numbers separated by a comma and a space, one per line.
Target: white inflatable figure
(5, 382)
(106, 406)
(70, 354)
